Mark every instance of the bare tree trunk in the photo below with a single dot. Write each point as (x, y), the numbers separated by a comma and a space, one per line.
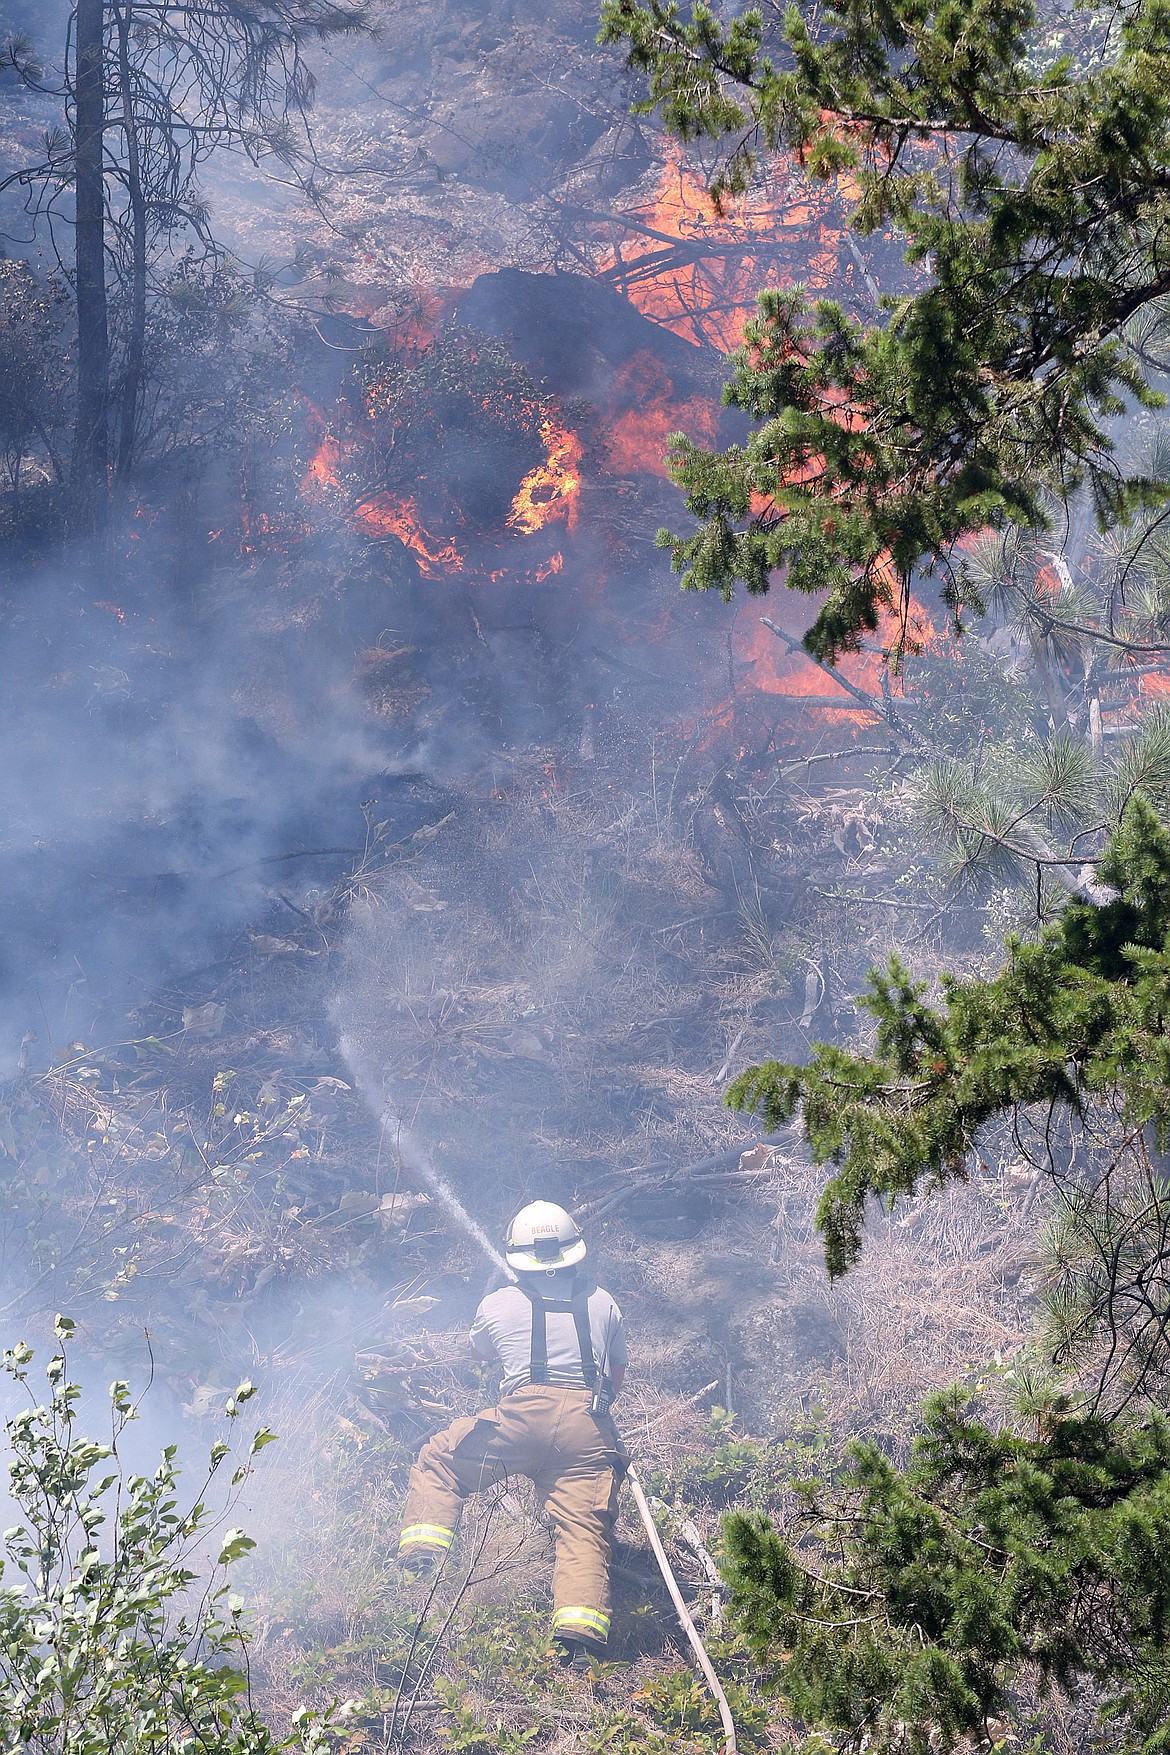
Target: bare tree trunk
(91, 437)
(131, 388)
(1057, 707)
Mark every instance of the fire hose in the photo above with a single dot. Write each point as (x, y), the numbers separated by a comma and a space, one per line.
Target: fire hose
(684, 1614)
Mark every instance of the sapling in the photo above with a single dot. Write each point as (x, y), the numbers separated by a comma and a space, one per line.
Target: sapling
(119, 1628)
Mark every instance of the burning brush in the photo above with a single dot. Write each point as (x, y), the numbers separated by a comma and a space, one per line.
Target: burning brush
(448, 445)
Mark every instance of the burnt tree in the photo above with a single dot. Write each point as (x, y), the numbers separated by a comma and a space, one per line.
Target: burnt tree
(150, 90)
(91, 437)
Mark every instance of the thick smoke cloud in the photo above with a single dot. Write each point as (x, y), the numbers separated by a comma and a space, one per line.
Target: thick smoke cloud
(153, 765)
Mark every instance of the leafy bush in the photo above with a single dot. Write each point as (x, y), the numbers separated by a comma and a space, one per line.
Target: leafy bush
(462, 399)
(109, 1639)
(679, 1702)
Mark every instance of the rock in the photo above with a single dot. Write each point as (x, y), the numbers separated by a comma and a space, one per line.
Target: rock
(358, 1200)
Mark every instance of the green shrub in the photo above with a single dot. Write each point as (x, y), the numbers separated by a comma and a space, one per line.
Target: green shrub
(110, 1641)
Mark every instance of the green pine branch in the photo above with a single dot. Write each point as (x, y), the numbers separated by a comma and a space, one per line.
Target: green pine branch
(1081, 1010)
(1030, 178)
(905, 1606)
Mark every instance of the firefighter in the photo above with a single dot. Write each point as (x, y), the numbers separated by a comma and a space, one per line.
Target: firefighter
(560, 1340)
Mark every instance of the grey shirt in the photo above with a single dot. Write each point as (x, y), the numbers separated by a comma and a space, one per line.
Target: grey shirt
(503, 1325)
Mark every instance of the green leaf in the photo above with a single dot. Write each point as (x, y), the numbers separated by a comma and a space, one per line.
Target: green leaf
(234, 1546)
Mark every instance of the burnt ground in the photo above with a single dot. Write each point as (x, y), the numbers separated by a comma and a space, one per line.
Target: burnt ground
(554, 900)
(552, 987)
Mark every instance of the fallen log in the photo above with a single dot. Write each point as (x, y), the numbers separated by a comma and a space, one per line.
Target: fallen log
(721, 1167)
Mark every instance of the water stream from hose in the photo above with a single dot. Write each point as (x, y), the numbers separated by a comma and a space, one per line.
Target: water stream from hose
(414, 1155)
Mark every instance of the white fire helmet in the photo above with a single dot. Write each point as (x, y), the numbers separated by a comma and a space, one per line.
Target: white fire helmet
(543, 1237)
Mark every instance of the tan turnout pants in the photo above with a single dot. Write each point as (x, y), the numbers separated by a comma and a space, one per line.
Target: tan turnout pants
(576, 1463)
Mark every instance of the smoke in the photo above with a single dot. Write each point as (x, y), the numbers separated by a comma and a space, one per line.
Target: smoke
(154, 766)
(168, 779)
(515, 1002)
(404, 1143)
(532, 998)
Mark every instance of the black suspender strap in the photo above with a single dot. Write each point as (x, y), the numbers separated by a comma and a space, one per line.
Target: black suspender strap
(538, 1355)
(578, 1308)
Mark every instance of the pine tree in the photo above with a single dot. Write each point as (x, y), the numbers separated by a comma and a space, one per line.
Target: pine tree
(150, 91)
(1026, 163)
(903, 1609)
(1077, 1013)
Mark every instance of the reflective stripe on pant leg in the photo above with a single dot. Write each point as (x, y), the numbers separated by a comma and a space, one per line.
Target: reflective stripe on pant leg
(435, 1496)
(471, 1454)
(425, 1535)
(577, 1619)
(580, 1494)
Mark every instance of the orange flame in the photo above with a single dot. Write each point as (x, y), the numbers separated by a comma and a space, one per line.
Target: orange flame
(397, 515)
(385, 514)
(768, 666)
(636, 442)
(698, 272)
(549, 491)
(324, 466)
(553, 488)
